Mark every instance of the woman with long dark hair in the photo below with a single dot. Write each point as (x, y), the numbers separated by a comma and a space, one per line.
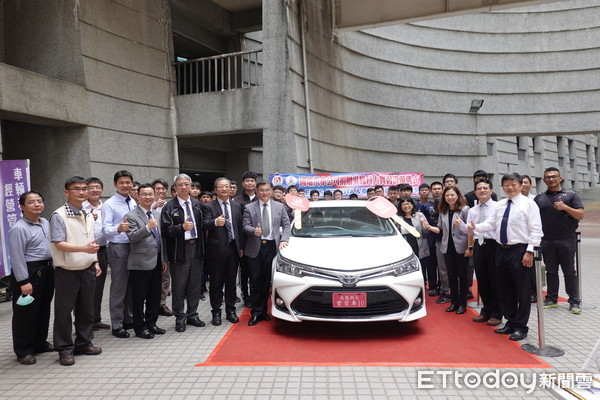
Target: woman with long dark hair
(408, 211)
(453, 212)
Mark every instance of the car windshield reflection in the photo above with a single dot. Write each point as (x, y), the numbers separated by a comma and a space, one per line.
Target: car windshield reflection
(343, 222)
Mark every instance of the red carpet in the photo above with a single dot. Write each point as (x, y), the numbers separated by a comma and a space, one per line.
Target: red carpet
(439, 340)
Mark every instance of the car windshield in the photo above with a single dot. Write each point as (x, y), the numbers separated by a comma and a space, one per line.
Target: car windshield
(343, 221)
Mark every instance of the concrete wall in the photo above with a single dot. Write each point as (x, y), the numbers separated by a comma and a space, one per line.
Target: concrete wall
(397, 98)
(43, 36)
(91, 84)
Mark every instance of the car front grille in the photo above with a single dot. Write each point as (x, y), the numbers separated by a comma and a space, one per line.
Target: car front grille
(317, 302)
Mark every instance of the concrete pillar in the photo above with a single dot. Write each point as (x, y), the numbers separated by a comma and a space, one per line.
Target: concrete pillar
(279, 148)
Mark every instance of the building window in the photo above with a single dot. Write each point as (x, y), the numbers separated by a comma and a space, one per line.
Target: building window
(490, 149)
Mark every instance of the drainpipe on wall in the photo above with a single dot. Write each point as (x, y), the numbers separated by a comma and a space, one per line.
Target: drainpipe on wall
(305, 83)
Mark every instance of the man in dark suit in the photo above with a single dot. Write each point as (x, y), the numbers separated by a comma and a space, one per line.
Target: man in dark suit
(224, 247)
(145, 263)
(247, 196)
(181, 226)
(267, 229)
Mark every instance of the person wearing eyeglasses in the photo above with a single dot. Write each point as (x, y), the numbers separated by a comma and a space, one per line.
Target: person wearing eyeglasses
(482, 249)
(224, 247)
(93, 205)
(73, 247)
(561, 210)
(267, 229)
(32, 278)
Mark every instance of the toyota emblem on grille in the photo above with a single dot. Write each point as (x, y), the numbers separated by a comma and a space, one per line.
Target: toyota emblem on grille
(348, 280)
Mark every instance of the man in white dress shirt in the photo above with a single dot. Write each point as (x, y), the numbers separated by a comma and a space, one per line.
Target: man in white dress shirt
(518, 228)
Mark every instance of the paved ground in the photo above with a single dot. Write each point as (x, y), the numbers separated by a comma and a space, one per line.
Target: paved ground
(163, 368)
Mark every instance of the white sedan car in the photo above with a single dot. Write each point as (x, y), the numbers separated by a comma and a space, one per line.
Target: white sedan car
(346, 264)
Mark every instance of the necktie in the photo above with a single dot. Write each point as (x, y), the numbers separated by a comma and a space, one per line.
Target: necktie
(504, 224)
(154, 232)
(189, 213)
(127, 200)
(227, 223)
(266, 228)
(480, 239)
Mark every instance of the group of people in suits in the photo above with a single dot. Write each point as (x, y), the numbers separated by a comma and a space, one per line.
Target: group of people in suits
(142, 237)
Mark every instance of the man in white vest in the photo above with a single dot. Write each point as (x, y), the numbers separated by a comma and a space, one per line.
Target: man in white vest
(74, 251)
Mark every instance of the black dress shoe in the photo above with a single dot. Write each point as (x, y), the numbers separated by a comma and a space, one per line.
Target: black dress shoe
(29, 359)
(232, 317)
(506, 330)
(197, 322)
(255, 319)
(461, 309)
(120, 333)
(180, 326)
(88, 351)
(452, 308)
(247, 303)
(46, 348)
(156, 330)
(266, 317)
(202, 297)
(145, 334)
(165, 311)
(517, 335)
(470, 295)
(216, 319)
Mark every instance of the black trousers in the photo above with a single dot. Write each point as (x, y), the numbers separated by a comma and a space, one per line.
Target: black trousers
(145, 288)
(30, 323)
(223, 273)
(431, 263)
(514, 282)
(259, 271)
(244, 278)
(74, 294)
(100, 281)
(484, 257)
(561, 252)
(456, 264)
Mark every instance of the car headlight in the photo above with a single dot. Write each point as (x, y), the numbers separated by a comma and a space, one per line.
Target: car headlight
(406, 266)
(288, 267)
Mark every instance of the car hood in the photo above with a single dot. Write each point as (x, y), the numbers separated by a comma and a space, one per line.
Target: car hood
(347, 253)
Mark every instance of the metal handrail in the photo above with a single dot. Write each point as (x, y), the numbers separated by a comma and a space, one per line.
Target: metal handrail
(219, 73)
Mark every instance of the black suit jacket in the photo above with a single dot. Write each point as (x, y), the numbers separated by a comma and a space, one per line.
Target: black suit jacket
(216, 239)
(171, 227)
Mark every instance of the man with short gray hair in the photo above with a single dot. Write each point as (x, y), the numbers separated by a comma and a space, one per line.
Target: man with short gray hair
(181, 225)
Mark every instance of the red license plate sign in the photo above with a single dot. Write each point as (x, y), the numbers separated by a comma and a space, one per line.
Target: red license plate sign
(349, 300)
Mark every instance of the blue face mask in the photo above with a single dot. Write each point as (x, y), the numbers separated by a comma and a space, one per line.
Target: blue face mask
(25, 300)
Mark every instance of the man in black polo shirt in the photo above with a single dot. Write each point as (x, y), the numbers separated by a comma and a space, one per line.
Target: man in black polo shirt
(561, 211)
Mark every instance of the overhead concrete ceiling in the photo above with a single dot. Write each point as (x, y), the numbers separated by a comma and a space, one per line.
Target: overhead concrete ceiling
(235, 6)
(207, 27)
(352, 15)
